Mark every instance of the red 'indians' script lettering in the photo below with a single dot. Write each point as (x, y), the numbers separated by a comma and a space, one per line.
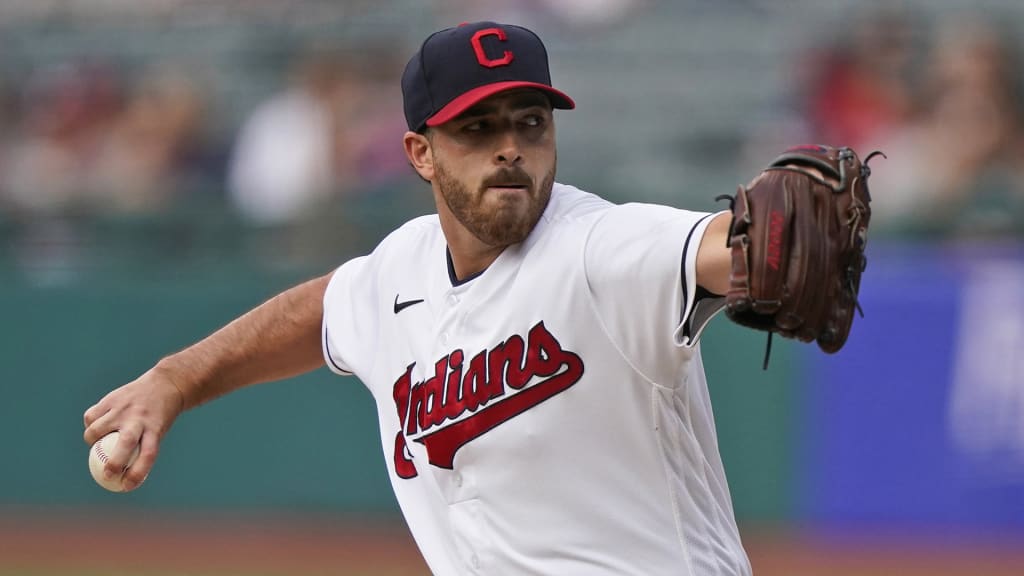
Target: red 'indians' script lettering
(775, 230)
(479, 386)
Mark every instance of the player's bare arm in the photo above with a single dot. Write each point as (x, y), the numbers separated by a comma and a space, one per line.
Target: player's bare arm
(278, 339)
(714, 260)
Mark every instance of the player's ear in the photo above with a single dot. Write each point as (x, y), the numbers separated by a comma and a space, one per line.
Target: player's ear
(421, 156)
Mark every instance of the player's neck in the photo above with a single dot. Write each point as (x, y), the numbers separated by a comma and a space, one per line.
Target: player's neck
(470, 261)
(469, 255)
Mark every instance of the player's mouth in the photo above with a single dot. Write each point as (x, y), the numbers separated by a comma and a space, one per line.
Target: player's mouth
(508, 187)
(509, 180)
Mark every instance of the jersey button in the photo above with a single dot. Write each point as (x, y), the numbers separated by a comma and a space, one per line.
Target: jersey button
(475, 561)
(458, 480)
(453, 299)
(444, 338)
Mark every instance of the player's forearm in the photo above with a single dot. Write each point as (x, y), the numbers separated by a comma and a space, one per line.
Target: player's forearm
(278, 339)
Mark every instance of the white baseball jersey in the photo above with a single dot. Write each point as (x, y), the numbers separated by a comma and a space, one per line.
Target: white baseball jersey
(549, 415)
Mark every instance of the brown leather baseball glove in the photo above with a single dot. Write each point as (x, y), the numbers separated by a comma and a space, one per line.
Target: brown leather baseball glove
(797, 239)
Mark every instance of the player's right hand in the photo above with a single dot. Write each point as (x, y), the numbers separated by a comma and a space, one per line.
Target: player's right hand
(142, 411)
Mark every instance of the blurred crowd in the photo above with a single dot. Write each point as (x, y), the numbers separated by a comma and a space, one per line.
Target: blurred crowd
(84, 141)
(89, 146)
(81, 136)
(944, 102)
(88, 139)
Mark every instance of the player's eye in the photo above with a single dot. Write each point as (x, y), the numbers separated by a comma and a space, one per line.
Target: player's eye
(476, 126)
(533, 120)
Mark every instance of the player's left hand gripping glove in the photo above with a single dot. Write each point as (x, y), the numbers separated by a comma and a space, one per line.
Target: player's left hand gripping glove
(797, 243)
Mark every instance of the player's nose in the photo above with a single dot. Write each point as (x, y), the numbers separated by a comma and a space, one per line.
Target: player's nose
(508, 151)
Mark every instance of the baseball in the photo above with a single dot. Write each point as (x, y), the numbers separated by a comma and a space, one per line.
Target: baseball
(98, 456)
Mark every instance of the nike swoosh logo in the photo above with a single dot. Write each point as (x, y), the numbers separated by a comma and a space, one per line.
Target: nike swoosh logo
(399, 306)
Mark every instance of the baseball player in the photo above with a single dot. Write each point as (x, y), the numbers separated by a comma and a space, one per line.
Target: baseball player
(533, 350)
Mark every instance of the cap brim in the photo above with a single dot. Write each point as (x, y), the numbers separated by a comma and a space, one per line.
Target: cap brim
(465, 101)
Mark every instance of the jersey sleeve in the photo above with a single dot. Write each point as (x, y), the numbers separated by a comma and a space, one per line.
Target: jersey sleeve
(641, 268)
(350, 323)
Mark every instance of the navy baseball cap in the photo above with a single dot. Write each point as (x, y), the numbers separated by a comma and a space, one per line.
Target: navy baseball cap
(458, 67)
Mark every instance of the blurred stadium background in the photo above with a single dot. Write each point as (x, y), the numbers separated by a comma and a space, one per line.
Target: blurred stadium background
(167, 164)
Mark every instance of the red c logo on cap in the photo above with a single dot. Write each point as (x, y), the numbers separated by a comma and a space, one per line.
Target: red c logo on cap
(481, 56)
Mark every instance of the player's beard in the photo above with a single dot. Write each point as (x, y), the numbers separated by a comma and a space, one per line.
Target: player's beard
(506, 224)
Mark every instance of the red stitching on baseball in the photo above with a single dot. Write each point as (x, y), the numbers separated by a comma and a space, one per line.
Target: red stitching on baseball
(99, 452)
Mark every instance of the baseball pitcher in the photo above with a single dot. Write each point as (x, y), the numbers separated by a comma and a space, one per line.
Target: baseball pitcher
(534, 350)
